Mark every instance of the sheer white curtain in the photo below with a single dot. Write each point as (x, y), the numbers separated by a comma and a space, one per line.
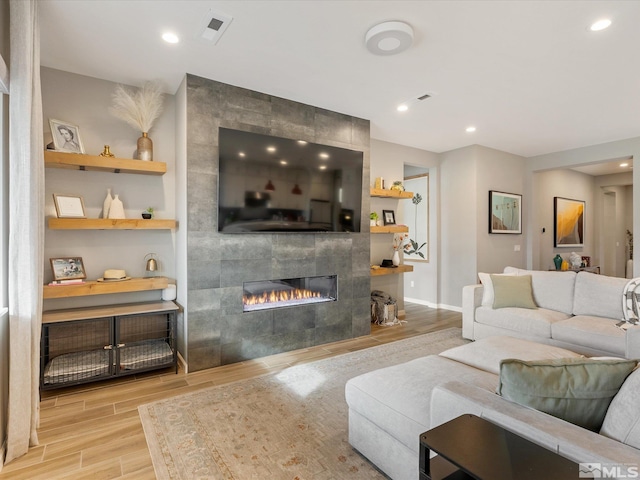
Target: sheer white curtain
(26, 227)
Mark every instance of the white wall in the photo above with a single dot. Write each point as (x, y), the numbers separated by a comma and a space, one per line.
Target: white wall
(622, 149)
(567, 184)
(387, 161)
(84, 101)
(503, 172)
(458, 224)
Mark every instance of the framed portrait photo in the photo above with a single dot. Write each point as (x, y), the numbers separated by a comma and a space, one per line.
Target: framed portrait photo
(505, 212)
(568, 222)
(66, 136)
(388, 217)
(69, 206)
(68, 268)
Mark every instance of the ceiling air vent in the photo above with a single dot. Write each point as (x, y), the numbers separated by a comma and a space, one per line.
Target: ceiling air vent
(424, 97)
(215, 25)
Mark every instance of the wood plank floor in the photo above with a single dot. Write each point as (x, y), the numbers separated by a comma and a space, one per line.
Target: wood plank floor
(94, 432)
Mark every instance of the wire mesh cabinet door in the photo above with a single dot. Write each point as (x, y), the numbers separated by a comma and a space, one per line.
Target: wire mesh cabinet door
(75, 352)
(145, 342)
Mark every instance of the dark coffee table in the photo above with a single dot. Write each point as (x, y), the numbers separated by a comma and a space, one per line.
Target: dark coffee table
(472, 447)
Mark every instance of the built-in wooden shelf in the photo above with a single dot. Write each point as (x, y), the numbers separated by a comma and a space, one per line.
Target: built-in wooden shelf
(85, 313)
(379, 192)
(102, 288)
(80, 161)
(110, 224)
(389, 229)
(391, 271)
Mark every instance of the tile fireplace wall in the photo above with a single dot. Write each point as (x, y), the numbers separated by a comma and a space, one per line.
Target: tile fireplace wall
(218, 331)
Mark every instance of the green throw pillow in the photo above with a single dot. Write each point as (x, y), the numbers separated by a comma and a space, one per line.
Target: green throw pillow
(512, 291)
(577, 390)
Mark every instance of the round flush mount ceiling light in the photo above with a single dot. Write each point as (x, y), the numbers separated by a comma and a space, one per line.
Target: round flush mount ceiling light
(389, 38)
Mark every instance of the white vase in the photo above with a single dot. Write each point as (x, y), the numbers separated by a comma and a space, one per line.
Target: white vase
(107, 204)
(396, 258)
(116, 210)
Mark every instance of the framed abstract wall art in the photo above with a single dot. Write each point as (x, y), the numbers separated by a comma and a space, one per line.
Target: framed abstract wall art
(568, 221)
(505, 212)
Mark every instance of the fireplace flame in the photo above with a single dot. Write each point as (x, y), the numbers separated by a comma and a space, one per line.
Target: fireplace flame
(279, 296)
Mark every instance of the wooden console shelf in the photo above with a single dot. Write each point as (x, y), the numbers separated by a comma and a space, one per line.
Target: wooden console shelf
(79, 161)
(73, 314)
(379, 192)
(110, 224)
(391, 271)
(389, 229)
(102, 288)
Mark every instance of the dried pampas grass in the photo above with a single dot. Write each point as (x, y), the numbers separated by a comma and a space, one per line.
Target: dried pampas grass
(139, 109)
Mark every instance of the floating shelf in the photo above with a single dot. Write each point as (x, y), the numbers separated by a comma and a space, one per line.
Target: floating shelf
(102, 288)
(389, 229)
(85, 313)
(80, 161)
(110, 224)
(379, 192)
(391, 271)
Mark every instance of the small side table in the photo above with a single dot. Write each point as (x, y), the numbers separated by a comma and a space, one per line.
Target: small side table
(470, 447)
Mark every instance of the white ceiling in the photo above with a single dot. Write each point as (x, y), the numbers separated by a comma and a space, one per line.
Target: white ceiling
(528, 74)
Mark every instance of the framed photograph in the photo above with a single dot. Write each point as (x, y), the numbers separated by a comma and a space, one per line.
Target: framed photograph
(66, 136)
(69, 206)
(70, 268)
(568, 222)
(388, 217)
(505, 212)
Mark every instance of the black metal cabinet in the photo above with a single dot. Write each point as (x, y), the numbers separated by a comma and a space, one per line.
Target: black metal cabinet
(90, 344)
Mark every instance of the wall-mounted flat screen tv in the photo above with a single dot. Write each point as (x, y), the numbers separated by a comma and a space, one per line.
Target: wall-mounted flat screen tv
(274, 184)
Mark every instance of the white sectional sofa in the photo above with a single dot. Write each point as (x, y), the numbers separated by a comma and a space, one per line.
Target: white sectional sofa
(577, 311)
(389, 408)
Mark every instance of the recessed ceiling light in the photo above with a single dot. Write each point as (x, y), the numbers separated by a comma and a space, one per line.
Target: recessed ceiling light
(323, 167)
(241, 154)
(389, 38)
(403, 108)
(470, 129)
(323, 155)
(624, 164)
(283, 162)
(302, 142)
(170, 37)
(600, 25)
(271, 149)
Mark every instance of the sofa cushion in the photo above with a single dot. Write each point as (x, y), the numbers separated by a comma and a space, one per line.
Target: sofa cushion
(487, 284)
(578, 390)
(551, 290)
(528, 321)
(487, 353)
(513, 291)
(598, 295)
(593, 332)
(622, 421)
(397, 398)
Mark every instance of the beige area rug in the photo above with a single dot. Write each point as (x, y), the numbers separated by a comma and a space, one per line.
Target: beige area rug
(287, 425)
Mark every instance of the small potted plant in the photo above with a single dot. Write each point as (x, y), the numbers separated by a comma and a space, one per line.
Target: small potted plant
(397, 185)
(373, 219)
(148, 213)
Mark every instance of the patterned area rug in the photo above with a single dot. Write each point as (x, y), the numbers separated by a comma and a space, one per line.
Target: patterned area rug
(287, 425)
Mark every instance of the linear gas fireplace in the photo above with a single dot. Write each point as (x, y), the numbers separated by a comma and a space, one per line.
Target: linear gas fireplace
(265, 294)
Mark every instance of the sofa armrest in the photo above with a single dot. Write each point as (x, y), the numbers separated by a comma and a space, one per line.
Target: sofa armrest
(632, 338)
(471, 299)
(453, 399)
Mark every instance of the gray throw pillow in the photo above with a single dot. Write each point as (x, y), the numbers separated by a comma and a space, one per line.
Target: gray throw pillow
(577, 390)
(510, 291)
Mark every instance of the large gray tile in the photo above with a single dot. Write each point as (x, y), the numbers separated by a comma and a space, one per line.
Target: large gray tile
(293, 319)
(231, 300)
(204, 300)
(246, 326)
(334, 313)
(203, 357)
(234, 272)
(202, 158)
(203, 246)
(333, 245)
(202, 274)
(245, 247)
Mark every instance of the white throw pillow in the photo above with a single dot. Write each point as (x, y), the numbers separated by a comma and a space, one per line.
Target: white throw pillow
(488, 294)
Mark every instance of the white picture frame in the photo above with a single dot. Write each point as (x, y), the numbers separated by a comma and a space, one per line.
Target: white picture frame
(69, 206)
(66, 136)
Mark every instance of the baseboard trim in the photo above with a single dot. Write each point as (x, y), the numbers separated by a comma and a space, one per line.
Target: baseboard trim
(433, 305)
